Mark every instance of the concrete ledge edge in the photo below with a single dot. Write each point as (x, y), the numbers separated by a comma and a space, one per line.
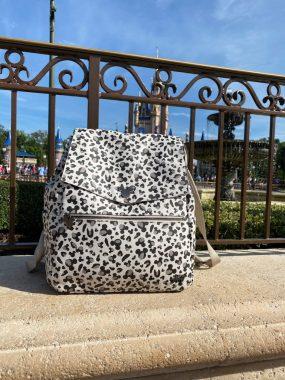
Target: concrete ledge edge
(153, 354)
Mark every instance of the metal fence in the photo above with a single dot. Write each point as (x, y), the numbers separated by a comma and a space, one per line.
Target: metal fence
(95, 64)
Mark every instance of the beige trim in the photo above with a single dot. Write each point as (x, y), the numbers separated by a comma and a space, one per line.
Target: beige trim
(214, 257)
(33, 263)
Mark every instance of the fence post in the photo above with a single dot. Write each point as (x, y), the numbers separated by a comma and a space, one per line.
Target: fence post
(219, 173)
(12, 209)
(51, 135)
(163, 119)
(270, 176)
(93, 92)
(131, 117)
(244, 175)
(191, 140)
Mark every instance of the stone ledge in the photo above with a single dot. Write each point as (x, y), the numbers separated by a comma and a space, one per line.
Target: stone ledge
(234, 313)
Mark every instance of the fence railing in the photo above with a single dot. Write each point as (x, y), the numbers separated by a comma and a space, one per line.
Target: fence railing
(97, 68)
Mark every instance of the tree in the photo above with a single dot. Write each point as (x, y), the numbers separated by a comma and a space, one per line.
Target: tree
(35, 143)
(22, 139)
(280, 160)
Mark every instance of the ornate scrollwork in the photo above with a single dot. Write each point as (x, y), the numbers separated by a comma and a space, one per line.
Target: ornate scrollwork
(13, 68)
(238, 97)
(276, 101)
(119, 78)
(207, 94)
(204, 92)
(16, 68)
(161, 86)
(216, 91)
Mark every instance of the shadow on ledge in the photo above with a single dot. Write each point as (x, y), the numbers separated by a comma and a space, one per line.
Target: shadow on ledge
(268, 369)
(14, 275)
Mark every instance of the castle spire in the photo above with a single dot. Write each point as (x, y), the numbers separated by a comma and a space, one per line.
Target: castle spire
(58, 146)
(58, 140)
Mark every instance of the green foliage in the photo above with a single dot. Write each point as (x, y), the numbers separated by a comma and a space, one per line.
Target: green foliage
(280, 160)
(254, 228)
(29, 209)
(4, 205)
(29, 205)
(35, 143)
(277, 221)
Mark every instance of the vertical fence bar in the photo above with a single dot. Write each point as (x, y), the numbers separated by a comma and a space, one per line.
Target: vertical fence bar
(51, 135)
(51, 99)
(131, 117)
(244, 174)
(191, 140)
(93, 92)
(269, 176)
(12, 209)
(163, 119)
(219, 166)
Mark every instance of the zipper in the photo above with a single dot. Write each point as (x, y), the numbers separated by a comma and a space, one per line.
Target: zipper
(70, 218)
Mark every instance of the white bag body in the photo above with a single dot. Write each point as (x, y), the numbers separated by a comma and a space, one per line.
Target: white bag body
(119, 215)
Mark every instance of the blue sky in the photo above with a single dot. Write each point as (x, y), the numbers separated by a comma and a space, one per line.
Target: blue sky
(245, 34)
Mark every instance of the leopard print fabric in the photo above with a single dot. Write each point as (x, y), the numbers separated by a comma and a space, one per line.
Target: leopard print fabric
(119, 215)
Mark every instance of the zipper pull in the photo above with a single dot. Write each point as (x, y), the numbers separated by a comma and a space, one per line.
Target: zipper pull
(68, 220)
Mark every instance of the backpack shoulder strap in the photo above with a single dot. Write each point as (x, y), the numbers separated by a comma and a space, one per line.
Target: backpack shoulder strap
(214, 257)
(33, 263)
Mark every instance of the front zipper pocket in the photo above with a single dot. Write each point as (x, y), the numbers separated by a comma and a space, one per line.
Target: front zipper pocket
(70, 218)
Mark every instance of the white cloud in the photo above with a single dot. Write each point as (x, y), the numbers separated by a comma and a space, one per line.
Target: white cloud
(67, 42)
(163, 4)
(223, 7)
(229, 10)
(178, 114)
(7, 26)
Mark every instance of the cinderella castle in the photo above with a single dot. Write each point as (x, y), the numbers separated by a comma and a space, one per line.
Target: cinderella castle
(147, 117)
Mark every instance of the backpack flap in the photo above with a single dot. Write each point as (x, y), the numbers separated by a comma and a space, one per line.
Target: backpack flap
(128, 168)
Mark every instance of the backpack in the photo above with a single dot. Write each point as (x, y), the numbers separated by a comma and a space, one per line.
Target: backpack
(119, 216)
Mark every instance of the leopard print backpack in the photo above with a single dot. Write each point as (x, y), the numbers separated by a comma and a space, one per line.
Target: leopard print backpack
(119, 216)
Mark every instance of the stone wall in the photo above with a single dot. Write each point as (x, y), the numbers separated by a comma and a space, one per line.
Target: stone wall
(225, 325)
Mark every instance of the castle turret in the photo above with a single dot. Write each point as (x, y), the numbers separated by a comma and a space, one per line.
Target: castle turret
(58, 146)
(126, 128)
(137, 114)
(147, 117)
(187, 137)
